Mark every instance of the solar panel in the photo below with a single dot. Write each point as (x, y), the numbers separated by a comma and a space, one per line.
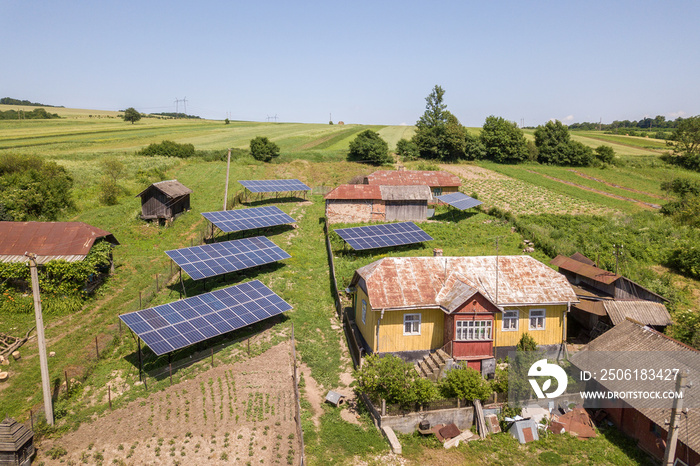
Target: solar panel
(214, 259)
(183, 323)
(274, 186)
(459, 200)
(382, 236)
(248, 219)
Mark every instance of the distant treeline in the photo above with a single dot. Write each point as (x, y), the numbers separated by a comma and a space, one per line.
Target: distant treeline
(11, 101)
(36, 114)
(658, 122)
(177, 115)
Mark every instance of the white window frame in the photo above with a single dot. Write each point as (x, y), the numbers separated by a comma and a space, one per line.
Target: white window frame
(364, 311)
(540, 317)
(415, 323)
(474, 330)
(515, 318)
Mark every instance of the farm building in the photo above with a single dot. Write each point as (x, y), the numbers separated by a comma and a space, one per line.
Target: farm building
(349, 203)
(640, 418)
(440, 182)
(473, 308)
(16, 443)
(607, 299)
(68, 241)
(164, 200)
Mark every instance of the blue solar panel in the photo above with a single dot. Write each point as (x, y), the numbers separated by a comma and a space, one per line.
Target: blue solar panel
(205, 316)
(459, 200)
(210, 260)
(248, 219)
(381, 236)
(274, 186)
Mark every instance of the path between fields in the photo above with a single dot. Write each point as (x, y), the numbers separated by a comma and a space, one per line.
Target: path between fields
(597, 191)
(583, 175)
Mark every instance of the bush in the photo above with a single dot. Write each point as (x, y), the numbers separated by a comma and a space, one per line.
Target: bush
(369, 147)
(169, 149)
(465, 383)
(407, 150)
(261, 148)
(605, 154)
(394, 380)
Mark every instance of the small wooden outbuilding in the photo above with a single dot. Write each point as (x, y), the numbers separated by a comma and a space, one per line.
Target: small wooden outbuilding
(371, 203)
(164, 200)
(16, 443)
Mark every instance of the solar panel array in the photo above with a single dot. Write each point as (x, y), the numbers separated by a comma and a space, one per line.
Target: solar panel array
(182, 323)
(274, 186)
(248, 219)
(214, 259)
(382, 236)
(459, 200)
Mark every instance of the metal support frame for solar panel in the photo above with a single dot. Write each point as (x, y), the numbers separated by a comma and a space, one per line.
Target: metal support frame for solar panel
(459, 200)
(274, 186)
(383, 236)
(173, 326)
(209, 260)
(229, 221)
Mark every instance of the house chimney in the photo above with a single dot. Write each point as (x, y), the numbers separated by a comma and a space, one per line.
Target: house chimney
(437, 252)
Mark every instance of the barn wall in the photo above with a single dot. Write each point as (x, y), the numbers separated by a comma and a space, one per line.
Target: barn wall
(154, 204)
(352, 211)
(406, 210)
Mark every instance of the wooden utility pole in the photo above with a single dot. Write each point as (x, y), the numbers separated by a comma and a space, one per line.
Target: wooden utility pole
(228, 168)
(41, 340)
(672, 437)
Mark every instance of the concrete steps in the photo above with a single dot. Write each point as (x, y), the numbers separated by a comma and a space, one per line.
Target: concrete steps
(431, 365)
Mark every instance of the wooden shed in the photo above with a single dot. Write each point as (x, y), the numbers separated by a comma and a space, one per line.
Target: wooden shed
(365, 203)
(164, 200)
(16, 443)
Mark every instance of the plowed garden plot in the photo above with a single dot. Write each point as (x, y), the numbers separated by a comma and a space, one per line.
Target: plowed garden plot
(233, 414)
(498, 190)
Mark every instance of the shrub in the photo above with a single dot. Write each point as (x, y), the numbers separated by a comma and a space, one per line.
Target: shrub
(369, 147)
(261, 148)
(465, 383)
(605, 154)
(394, 380)
(169, 149)
(408, 150)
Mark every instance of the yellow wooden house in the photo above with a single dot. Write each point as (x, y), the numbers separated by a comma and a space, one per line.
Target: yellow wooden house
(472, 307)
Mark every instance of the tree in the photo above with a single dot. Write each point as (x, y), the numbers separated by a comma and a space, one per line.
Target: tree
(605, 154)
(555, 146)
(394, 380)
(407, 150)
(686, 143)
(503, 141)
(439, 134)
(132, 115)
(369, 147)
(261, 148)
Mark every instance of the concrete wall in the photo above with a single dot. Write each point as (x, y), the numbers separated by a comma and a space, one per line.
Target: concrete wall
(408, 423)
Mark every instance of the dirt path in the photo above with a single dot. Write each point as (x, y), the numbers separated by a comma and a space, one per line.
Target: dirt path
(583, 175)
(597, 191)
(230, 414)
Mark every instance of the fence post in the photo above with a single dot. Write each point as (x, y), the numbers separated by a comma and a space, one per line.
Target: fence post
(97, 349)
(212, 357)
(383, 407)
(170, 369)
(157, 288)
(109, 396)
(67, 384)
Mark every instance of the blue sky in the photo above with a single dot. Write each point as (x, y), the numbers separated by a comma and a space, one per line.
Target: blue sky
(362, 62)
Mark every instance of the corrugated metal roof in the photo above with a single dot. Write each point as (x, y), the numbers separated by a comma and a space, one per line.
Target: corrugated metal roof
(405, 282)
(355, 191)
(405, 193)
(413, 177)
(657, 351)
(585, 270)
(594, 307)
(171, 188)
(577, 256)
(644, 312)
(70, 241)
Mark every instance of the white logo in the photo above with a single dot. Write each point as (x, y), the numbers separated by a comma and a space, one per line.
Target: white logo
(542, 368)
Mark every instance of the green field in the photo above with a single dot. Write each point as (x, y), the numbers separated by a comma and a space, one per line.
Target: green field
(315, 154)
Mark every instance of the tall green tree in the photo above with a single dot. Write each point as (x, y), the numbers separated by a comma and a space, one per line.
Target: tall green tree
(503, 141)
(439, 134)
(261, 148)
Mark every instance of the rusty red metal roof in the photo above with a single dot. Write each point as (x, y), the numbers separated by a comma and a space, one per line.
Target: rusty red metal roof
(585, 270)
(355, 191)
(414, 177)
(70, 241)
(419, 282)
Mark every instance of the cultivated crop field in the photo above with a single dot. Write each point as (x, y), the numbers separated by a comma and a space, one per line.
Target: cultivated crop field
(242, 404)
